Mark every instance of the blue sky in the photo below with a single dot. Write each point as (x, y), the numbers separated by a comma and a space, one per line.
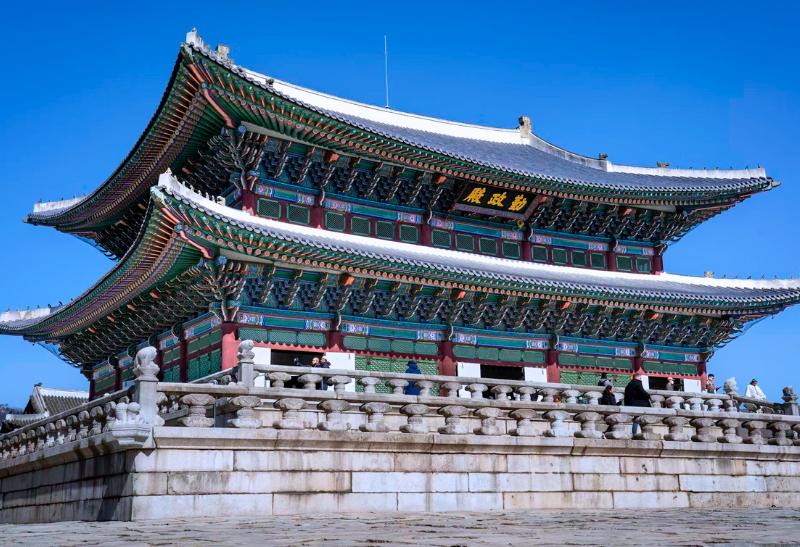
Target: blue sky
(696, 84)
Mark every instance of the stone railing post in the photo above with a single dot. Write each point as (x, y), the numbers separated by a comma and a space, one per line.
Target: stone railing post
(453, 425)
(501, 392)
(796, 429)
(589, 421)
(488, 416)
(570, 396)
(245, 357)
(790, 407)
(398, 385)
(779, 433)
(714, 404)
(657, 400)
(334, 417)
(369, 383)
(754, 428)
(593, 397)
(310, 381)
(476, 390)
(526, 393)
(646, 430)
(619, 426)
(278, 379)
(524, 418)
(291, 418)
(146, 372)
(376, 414)
(675, 402)
(730, 427)
(338, 382)
(197, 403)
(416, 418)
(702, 430)
(695, 403)
(548, 394)
(557, 426)
(245, 415)
(452, 389)
(425, 387)
(676, 425)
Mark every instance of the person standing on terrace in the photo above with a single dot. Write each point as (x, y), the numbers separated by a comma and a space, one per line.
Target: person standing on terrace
(636, 395)
(754, 391)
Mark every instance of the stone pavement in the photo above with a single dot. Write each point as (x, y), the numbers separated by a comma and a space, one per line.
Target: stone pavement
(648, 526)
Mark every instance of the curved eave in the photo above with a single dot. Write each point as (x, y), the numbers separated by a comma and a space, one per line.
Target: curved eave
(383, 142)
(158, 254)
(181, 123)
(322, 249)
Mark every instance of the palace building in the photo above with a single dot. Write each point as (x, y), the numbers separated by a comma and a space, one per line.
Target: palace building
(251, 208)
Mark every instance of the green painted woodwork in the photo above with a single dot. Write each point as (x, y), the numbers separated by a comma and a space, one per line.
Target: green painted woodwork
(360, 226)
(201, 342)
(559, 256)
(487, 246)
(336, 222)
(593, 361)
(104, 384)
(205, 364)
(440, 238)
(511, 249)
(465, 242)
(624, 263)
(668, 367)
(384, 229)
(597, 260)
(298, 214)
(578, 258)
(586, 378)
(539, 253)
(172, 374)
(268, 208)
(644, 265)
(409, 233)
(396, 365)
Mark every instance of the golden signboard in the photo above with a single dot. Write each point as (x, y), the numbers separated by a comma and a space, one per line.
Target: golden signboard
(488, 200)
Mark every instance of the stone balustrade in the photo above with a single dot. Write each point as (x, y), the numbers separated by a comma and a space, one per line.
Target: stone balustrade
(88, 420)
(372, 401)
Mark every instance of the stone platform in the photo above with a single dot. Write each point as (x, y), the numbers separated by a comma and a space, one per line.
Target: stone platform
(635, 527)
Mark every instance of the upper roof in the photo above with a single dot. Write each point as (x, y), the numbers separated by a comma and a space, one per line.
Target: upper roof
(207, 92)
(44, 402)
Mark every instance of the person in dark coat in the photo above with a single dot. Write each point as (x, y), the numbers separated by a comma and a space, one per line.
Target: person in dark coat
(411, 388)
(608, 397)
(636, 395)
(604, 380)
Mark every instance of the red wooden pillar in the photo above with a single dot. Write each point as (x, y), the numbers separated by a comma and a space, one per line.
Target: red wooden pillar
(551, 362)
(425, 234)
(447, 362)
(702, 370)
(638, 362)
(228, 345)
(117, 377)
(317, 215)
(658, 259)
(249, 202)
(335, 341)
(183, 364)
(611, 256)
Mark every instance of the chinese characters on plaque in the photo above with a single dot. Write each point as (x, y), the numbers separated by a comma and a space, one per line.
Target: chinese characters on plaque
(495, 201)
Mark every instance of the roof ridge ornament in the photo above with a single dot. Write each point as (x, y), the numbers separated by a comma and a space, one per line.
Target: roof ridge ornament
(525, 127)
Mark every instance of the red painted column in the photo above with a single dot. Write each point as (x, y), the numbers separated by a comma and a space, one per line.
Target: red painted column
(447, 362)
(425, 234)
(335, 341)
(183, 364)
(249, 202)
(317, 215)
(702, 371)
(611, 256)
(117, 377)
(228, 345)
(551, 361)
(91, 389)
(658, 259)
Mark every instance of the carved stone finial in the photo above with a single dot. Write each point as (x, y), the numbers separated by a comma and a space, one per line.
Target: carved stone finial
(525, 127)
(789, 396)
(730, 386)
(245, 351)
(144, 366)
